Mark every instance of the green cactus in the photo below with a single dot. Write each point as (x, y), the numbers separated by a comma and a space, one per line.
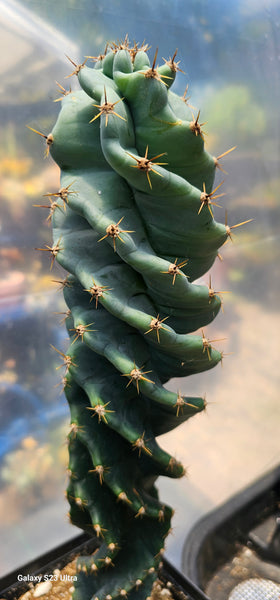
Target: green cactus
(133, 226)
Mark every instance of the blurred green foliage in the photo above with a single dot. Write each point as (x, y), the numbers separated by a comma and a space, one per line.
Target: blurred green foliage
(234, 113)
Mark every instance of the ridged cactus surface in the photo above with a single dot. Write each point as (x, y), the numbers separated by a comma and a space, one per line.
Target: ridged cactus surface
(133, 226)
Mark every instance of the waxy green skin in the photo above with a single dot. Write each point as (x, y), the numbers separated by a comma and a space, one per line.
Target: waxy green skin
(114, 457)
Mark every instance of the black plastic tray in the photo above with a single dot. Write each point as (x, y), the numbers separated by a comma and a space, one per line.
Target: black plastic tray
(60, 556)
(214, 539)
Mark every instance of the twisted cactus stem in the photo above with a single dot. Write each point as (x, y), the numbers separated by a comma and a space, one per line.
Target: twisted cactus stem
(133, 225)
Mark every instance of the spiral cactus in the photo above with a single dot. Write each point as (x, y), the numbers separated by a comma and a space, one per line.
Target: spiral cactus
(133, 226)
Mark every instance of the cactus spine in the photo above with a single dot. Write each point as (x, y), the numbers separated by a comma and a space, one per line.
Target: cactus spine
(133, 226)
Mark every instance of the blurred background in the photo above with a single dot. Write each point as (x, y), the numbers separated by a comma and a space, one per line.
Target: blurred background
(230, 55)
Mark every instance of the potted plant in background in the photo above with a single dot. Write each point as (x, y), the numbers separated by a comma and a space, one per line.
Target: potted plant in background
(133, 225)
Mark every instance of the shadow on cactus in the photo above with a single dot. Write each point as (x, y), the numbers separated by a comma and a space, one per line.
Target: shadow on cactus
(133, 226)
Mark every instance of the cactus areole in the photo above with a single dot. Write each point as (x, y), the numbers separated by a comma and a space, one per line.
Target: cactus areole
(133, 226)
